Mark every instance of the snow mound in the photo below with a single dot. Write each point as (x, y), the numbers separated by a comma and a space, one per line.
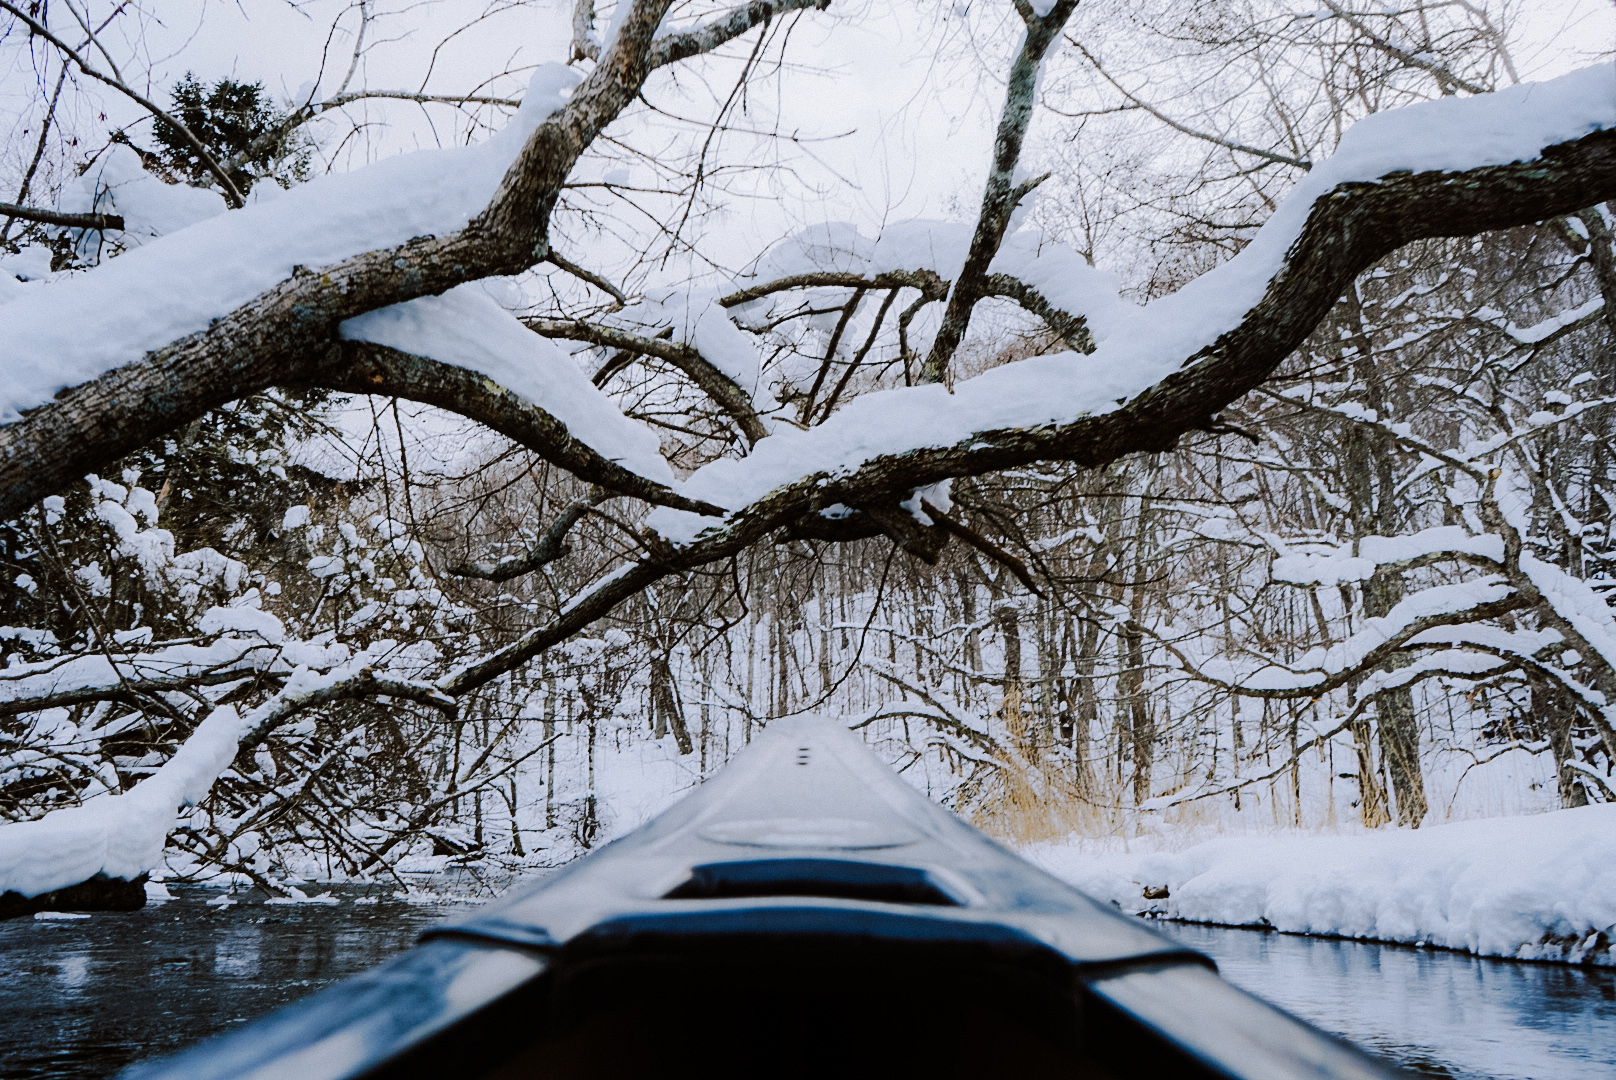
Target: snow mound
(1541, 887)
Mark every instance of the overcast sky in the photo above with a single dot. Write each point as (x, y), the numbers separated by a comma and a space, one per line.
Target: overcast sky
(890, 106)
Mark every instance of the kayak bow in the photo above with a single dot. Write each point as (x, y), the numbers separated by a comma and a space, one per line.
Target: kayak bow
(804, 912)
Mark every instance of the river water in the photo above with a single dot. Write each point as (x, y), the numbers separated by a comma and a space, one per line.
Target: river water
(1436, 1012)
(81, 998)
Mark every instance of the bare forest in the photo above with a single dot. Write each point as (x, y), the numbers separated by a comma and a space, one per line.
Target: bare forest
(1344, 562)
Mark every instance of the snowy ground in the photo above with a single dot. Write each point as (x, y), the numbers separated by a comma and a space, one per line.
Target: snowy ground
(1539, 887)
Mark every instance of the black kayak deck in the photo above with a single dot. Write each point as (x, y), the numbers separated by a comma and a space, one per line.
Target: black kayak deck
(807, 811)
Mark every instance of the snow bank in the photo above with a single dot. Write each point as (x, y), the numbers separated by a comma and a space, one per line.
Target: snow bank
(1541, 887)
(121, 836)
(1147, 344)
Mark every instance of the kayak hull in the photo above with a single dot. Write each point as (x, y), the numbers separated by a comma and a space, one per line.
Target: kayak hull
(803, 913)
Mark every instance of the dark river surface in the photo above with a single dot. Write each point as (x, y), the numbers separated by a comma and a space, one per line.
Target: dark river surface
(81, 998)
(1436, 1012)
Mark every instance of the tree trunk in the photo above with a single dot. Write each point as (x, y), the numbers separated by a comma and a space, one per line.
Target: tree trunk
(670, 714)
(1371, 483)
(1554, 707)
(1087, 711)
(1011, 709)
(1371, 792)
(1141, 728)
(549, 761)
(1394, 711)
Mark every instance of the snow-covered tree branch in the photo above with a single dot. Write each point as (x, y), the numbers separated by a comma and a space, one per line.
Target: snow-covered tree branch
(688, 403)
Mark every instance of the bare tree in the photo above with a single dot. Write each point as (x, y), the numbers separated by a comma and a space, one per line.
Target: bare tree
(770, 383)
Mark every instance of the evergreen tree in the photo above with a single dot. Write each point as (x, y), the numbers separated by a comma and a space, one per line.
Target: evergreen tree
(231, 118)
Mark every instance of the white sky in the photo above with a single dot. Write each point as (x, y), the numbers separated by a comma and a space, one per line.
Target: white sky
(863, 69)
(1559, 35)
(912, 98)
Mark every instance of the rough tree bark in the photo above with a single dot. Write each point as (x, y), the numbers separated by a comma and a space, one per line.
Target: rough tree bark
(1553, 705)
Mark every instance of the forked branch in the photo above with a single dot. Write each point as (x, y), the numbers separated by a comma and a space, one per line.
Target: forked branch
(687, 359)
(365, 368)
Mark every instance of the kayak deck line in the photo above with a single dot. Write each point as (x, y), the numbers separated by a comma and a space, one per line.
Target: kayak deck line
(834, 920)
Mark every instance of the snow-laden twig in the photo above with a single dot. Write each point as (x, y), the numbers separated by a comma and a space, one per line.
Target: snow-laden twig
(122, 836)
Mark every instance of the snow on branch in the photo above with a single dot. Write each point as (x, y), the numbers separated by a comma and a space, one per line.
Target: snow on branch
(1324, 668)
(149, 298)
(86, 677)
(402, 235)
(1334, 566)
(122, 836)
(715, 383)
(467, 328)
(671, 48)
(1552, 328)
(1161, 370)
(926, 281)
(945, 713)
(367, 368)
(230, 306)
(97, 222)
(1578, 604)
(1452, 167)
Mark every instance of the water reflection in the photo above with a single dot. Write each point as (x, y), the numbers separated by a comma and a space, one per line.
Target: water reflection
(237, 954)
(85, 997)
(72, 970)
(1441, 1013)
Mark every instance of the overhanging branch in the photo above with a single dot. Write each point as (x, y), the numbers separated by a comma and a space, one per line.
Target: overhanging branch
(551, 546)
(1072, 329)
(286, 334)
(1346, 232)
(672, 48)
(1001, 192)
(927, 281)
(366, 368)
(712, 382)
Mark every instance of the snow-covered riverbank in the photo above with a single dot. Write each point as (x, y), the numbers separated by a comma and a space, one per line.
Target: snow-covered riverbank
(1541, 887)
